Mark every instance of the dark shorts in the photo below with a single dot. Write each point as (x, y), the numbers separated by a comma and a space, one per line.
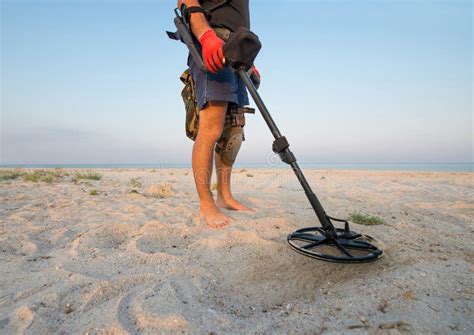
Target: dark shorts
(224, 85)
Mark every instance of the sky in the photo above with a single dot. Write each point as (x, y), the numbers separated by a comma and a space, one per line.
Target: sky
(97, 82)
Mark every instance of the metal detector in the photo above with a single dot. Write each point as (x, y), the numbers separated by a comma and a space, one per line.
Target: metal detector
(326, 242)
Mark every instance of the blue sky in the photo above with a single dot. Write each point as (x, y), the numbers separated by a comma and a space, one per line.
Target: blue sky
(361, 81)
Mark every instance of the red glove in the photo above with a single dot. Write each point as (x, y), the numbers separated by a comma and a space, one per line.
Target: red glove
(255, 76)
(212, 53)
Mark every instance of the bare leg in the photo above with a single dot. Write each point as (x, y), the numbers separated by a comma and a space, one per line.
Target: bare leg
(211, 124)
(225, 199)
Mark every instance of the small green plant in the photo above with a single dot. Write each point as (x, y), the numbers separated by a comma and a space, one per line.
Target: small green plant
(9, 174)
(58, 173)
(249, 175)
(135, 183)
(31, 176)
(47, 176)
(214, 186)
(365, 219)
(91, 175)
(47, 179)
(93, 192)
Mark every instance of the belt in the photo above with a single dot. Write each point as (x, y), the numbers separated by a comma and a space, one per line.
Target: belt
(223, 33)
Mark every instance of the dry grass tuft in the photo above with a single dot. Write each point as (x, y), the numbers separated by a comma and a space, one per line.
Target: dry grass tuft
(89, 175)
(47, 176)
(365, 219)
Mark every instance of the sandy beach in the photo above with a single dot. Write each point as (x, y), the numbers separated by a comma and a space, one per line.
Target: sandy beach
(127, 254)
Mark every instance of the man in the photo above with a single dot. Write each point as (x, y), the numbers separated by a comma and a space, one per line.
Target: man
(215, 91)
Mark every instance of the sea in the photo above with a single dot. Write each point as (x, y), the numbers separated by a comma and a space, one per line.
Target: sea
(432, 167)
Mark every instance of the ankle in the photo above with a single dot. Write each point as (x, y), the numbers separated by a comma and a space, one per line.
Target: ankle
(206, 204)
(224, 195)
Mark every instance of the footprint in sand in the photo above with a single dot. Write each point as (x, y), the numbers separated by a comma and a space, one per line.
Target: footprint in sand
(17, 246)
(109, 236)
(165, 240)
(169, 306)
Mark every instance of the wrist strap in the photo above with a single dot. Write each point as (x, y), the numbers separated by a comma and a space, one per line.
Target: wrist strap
(196, 9)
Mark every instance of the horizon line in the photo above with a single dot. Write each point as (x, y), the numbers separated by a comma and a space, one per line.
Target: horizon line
(247, 163)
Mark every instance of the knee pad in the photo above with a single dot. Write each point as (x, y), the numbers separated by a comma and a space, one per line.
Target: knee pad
(229, 144)
(232, 137)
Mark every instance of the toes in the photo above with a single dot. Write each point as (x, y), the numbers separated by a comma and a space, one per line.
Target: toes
(218, 223)
(215, 220)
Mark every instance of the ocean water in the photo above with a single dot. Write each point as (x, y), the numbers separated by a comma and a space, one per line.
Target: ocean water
(438, 167)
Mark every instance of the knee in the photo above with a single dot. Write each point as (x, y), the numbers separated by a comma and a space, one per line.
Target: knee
(211, 121)
(211, 132)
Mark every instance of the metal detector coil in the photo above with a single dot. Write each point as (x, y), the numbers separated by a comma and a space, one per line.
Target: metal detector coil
(327, 242)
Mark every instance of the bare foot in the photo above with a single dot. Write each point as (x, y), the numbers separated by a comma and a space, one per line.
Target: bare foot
(232, 204)
(214, 217)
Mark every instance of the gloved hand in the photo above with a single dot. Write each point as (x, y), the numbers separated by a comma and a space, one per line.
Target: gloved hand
(255, 76)
(212, 53)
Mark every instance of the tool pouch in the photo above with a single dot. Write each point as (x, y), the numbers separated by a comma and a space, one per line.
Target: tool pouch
(190, 104)
(234, 117)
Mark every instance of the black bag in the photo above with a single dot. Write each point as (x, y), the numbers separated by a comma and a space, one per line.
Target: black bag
(241, 49)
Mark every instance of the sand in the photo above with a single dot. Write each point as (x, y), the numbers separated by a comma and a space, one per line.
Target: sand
(141, 262)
